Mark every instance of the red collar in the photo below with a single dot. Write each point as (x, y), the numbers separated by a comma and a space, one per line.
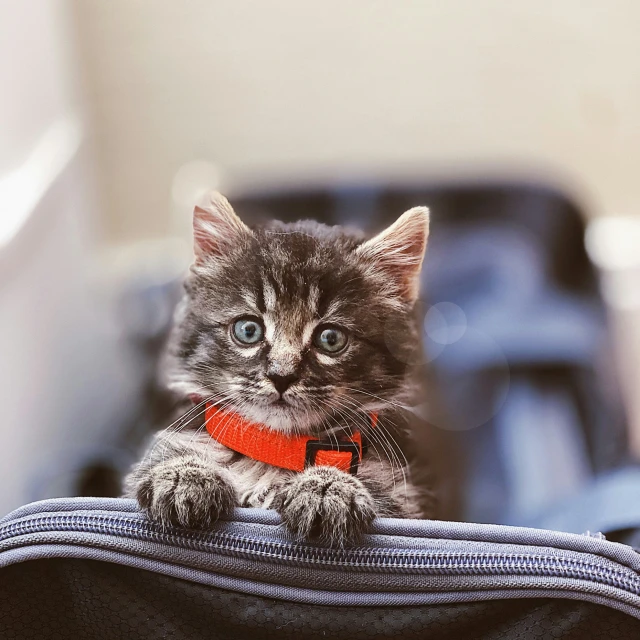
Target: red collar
(289, 452)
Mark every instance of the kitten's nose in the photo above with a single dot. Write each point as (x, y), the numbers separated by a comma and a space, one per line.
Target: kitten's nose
(282, 383)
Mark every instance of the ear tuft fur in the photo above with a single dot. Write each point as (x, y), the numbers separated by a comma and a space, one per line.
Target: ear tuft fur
(398, 251)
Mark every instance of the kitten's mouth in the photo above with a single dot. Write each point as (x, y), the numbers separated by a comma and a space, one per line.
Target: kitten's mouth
(280, 402)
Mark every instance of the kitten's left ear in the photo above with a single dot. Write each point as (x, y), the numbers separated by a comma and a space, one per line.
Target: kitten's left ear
(398, 251)
(216, 227)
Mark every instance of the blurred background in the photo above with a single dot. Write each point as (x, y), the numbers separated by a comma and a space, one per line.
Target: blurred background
(517, 123)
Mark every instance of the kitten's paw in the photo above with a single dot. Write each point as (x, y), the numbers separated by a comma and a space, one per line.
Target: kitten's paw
(186, 492)
(326, 503)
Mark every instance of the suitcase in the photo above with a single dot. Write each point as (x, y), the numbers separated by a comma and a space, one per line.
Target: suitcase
(97, 568)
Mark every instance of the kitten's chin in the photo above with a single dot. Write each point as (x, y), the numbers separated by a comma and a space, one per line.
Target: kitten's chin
(284, 417)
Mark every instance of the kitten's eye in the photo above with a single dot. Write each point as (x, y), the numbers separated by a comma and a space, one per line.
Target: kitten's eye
(330, 339)
(247, 331)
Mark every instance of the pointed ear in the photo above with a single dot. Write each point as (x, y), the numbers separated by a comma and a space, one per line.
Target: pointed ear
(216, 227)
(398, 251)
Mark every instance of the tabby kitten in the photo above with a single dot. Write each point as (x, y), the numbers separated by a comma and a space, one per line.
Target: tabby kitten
(301, 329)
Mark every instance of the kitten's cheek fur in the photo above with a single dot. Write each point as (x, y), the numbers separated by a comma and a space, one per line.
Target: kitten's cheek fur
(186, 492)
(325, 503)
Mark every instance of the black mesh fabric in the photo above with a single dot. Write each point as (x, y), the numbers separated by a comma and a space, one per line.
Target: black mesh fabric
(84, 599)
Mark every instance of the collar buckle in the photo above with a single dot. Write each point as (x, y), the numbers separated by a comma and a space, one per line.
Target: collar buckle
(315, 446)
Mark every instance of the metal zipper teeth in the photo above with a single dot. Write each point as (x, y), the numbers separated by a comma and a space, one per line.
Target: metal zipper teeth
(440, 562)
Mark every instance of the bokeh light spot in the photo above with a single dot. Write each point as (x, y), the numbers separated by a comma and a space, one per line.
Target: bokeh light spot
(445, 323)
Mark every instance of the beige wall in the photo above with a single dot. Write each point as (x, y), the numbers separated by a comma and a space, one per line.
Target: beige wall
(288, 88)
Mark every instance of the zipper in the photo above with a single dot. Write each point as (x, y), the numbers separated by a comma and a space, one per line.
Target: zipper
(439, 562)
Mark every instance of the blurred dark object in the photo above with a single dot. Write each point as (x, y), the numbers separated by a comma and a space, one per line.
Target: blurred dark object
(100, 479)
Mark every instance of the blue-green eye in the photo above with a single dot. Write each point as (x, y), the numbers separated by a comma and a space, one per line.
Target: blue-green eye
(247, 331)
(330, 339)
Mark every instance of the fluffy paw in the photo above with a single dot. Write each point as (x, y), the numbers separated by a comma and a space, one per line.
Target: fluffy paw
(326, 503)
(185, 492)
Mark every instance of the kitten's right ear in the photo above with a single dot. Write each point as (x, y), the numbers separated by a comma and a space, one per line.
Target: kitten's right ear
(216, 227)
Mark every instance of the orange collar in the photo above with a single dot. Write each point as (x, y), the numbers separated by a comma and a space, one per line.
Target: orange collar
(289, 452)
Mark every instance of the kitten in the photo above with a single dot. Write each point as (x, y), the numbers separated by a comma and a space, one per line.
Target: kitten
(290, 330)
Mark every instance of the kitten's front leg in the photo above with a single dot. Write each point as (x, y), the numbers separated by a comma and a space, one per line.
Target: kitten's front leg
(326, 503)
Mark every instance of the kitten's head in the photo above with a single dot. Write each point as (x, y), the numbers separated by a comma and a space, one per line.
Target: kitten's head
(297, 325)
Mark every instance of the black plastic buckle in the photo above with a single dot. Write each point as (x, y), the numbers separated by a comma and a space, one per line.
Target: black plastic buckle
(313, 446)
